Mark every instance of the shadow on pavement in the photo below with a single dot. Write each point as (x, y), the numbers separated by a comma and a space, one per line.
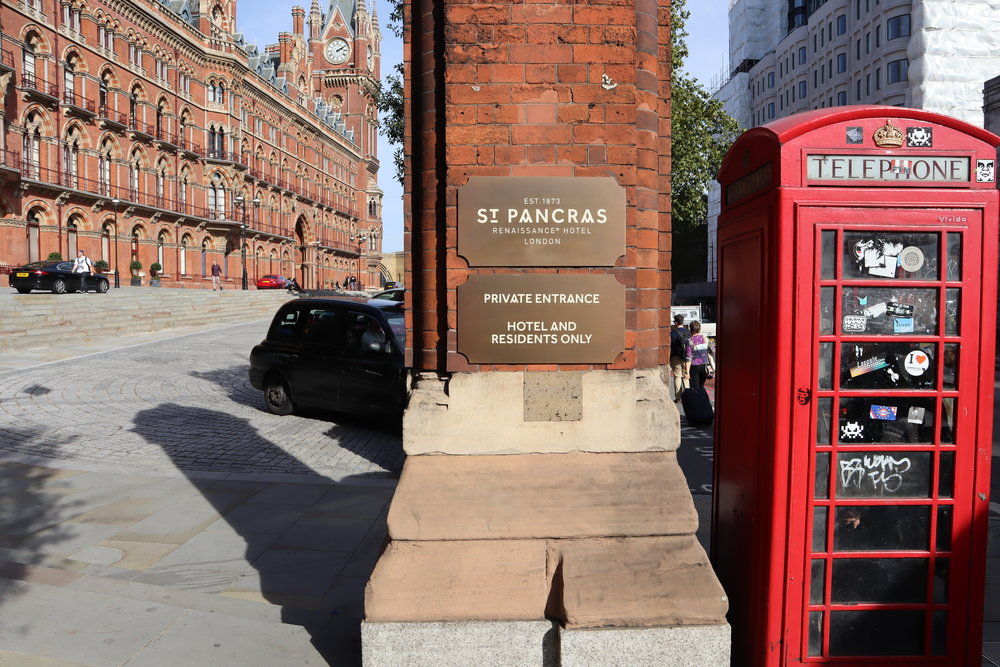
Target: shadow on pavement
(311, 544)
(30, 519)
(346, 430)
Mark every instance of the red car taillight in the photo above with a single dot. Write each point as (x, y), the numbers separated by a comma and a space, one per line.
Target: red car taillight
(39, 273)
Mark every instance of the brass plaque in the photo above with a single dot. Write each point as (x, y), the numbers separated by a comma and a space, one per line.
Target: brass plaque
(541, 319)
(555, 221)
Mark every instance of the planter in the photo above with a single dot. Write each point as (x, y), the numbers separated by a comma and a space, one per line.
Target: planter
(154, 282)
(136, 281)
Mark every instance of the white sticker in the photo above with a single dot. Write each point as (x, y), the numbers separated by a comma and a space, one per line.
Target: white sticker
(877, 310)
(851, 430)
(916, 415)
(916, 363)
(855, 323)
(911, 259)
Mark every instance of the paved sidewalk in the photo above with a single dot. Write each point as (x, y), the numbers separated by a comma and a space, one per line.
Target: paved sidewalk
(152, 513)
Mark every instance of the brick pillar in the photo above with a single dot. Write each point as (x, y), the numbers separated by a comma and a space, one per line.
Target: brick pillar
(541, 497)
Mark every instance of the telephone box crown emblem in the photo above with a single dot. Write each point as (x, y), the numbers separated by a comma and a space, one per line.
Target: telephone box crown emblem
(888, 136)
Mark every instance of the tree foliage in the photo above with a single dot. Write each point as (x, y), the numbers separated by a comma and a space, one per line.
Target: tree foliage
(701, 133)
(389, 97)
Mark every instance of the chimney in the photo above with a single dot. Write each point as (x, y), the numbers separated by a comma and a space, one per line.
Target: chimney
(298, 21)
(285, 42)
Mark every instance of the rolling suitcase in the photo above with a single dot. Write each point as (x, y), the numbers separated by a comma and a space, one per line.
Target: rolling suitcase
(697, 407)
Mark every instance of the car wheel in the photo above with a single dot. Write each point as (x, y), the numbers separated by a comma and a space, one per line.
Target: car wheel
(102, 286)
(23, 290)
(59, 286)
(277, 397)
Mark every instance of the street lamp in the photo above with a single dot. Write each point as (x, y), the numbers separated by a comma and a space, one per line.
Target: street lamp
(114, 203)
(243, 244)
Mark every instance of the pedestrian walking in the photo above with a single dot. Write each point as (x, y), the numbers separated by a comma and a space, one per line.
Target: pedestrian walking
(216, 275)
(84, 267)
(679, 361)
(699, 353)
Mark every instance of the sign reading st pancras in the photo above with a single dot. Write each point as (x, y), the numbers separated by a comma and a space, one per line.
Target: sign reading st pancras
(553, 221)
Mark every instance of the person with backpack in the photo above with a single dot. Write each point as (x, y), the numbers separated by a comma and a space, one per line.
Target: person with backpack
(679, 360)
(84, 267)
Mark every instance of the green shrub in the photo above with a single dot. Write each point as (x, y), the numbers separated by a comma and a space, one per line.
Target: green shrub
(54, 257)
(155, 269)
(136, 265)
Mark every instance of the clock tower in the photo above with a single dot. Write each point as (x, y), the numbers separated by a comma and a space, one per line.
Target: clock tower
(346, 57)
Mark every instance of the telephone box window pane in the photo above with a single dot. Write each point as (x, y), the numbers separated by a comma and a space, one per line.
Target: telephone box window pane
(816, 581)
(824, 408)
(815, 633)
(946, 476)
(819, 529)
(952, 305)
(943, 542)
(942, 568)
(876, 632)
(890, 255)
(888, 365)
(950, 379)
(879, 581)
(947, 421)
(826, 301)
(874, 474)
(893, 311)
(896, 420)
(822, 476)
(939, 633)
(882, 528)
(825, 370)
(954, 256)
(829, 258)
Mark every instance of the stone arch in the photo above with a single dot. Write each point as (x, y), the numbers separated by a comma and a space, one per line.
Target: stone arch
(34, 39)
(137, 91)
(75, 223)
(72, 58)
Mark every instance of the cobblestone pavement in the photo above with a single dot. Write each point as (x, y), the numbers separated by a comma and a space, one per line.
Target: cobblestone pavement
(180, 405)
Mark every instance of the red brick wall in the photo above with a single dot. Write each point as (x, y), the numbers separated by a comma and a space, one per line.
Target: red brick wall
(515, 89)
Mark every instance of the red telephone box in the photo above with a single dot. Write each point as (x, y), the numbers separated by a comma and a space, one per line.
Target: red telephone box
(857, 300)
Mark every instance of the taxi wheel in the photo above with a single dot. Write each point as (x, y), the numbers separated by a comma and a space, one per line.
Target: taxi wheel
(59, 286)
(102, 286)
(277, 396)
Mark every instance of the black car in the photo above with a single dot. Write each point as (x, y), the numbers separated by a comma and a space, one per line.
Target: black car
(54, 276)
(334, 355)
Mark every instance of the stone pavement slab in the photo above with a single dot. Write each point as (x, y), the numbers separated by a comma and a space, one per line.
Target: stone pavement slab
(103, 629)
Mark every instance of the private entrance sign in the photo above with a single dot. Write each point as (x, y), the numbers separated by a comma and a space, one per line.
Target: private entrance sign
(541, 318)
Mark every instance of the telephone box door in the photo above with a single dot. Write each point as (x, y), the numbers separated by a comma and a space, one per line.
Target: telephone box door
(887, 347)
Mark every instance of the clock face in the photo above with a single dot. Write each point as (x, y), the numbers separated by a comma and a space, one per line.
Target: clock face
(338, 51)
(371, 58)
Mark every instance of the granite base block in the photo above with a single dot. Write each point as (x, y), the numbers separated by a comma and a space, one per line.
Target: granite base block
(460, 644)
(679, 646)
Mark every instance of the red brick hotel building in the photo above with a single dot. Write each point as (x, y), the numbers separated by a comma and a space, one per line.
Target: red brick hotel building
(149, 130)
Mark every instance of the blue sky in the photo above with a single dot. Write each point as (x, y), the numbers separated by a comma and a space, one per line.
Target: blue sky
(262, 20)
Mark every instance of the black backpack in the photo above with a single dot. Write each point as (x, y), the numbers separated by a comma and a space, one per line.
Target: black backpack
(678, 342)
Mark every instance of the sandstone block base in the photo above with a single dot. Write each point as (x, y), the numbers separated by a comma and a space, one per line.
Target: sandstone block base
(542, 496)
(540, 412)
